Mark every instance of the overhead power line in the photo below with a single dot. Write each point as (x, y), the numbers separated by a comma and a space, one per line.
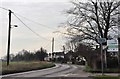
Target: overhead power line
(15, 14)
(31, 20)
(29, 27)
(37, 22)
(4, 8)
(42, 25)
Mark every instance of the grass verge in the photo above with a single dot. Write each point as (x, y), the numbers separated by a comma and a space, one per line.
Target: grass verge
(108, 70)
(106, 77)
(16, 67)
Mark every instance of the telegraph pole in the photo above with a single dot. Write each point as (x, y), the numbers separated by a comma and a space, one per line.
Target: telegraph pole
(9, 31)
(52, 47)
(63, 48)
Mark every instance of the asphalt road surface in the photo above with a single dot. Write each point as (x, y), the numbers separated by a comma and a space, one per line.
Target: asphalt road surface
(60, 70)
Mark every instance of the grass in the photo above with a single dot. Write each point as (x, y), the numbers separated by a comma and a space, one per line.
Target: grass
(15, 67)
(108, 70)
(106, 77)
(114, 70)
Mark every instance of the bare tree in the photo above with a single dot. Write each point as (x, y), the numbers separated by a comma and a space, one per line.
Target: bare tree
(89, 21)
(93, 19)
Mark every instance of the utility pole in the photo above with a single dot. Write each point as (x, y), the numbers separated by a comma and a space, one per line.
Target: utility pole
(52, 46)
(63, 48)
(9, 31)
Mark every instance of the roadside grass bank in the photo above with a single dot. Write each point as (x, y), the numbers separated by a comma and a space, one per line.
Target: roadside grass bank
(106, 77)
(23, 66)
(108, 70)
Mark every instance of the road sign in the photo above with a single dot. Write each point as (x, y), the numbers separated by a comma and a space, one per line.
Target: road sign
(101, 40)
(112, 45)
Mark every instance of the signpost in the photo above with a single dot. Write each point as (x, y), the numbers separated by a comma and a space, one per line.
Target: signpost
(101, 41)
(119, 39)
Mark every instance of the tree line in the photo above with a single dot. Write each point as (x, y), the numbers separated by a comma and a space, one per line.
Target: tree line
(25, 55)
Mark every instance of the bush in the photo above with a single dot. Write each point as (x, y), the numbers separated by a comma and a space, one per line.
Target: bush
(112, 62)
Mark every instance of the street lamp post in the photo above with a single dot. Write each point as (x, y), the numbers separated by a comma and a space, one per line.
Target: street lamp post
(9, 30)
(9, 34)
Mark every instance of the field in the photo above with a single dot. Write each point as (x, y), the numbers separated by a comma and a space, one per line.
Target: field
(15, 67)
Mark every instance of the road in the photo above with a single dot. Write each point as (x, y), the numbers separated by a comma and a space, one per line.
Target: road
(60, 70)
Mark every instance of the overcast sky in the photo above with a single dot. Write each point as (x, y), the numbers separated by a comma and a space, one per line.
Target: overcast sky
(47, 12)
